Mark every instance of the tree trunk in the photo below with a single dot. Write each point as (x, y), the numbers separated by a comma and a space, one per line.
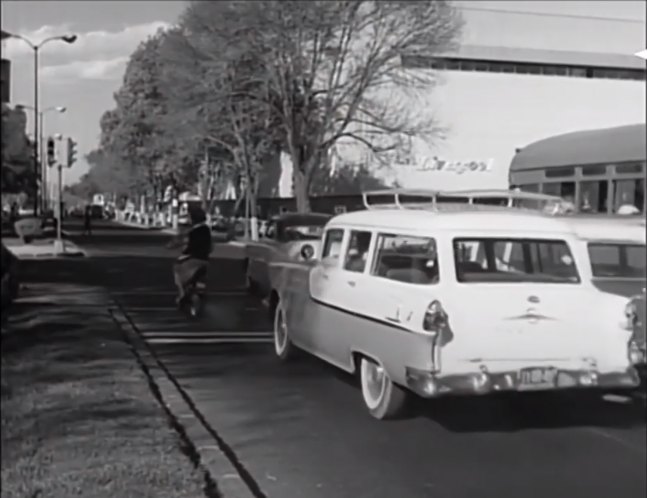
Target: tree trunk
(300, 184)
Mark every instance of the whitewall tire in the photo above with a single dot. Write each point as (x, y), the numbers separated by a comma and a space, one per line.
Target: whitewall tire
(283, 347)
(382, 397)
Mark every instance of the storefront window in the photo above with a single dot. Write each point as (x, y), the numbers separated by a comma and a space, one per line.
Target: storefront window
(565, 190)
(551, 188)
(629, 168)
(596, 169)
(629, 194)
(593, 197)
(559, 172)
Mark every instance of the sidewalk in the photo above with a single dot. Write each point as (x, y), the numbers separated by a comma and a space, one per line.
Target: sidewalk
(42, 249)
(78, 416)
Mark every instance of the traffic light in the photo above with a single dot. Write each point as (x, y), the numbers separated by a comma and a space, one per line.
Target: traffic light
(71, 152)
(51, 151)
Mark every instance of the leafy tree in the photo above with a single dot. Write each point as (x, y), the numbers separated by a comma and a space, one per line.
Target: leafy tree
(207, 86)
(17, 159)
(135, 142)
(330, 70)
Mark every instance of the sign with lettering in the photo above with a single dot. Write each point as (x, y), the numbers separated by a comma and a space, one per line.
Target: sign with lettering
(457, 167)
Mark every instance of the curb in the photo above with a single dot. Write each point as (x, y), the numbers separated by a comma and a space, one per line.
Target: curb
(70, 252)
(52, 255)
(137, 225)
(225, 476)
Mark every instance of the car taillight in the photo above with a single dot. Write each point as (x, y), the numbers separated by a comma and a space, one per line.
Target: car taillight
(435, 319)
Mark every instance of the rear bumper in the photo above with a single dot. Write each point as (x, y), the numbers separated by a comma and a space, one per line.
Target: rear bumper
(430, 385)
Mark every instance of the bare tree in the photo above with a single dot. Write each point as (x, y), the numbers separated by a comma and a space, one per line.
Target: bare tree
(333, 70)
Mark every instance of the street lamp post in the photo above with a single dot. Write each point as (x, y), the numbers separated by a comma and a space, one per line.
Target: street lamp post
(36, 48)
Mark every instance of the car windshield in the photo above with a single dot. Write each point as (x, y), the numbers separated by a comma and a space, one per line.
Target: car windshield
(302, 229)
(617, 260)
(514, 260)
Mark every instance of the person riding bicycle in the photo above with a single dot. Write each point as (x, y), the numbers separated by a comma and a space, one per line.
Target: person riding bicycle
(195, 256)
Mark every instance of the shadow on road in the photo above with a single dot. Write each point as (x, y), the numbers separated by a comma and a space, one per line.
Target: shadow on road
(135, 273)
(243, 364)
(519, 412)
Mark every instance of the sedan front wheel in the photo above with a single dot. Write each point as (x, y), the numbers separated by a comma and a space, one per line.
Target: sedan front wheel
(282, 345)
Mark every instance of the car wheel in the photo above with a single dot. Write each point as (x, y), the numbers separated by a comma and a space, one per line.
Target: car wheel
(282, 345)
(382, 397)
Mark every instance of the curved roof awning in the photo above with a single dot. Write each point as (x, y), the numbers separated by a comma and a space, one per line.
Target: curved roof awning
(606, 146)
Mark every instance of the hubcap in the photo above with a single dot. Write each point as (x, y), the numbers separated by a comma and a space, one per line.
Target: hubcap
(374, 383)
(280, 332)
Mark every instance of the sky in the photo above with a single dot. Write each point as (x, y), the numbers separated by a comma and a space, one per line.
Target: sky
(84, 76)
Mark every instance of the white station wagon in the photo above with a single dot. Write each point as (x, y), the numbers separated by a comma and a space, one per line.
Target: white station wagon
(452, 300)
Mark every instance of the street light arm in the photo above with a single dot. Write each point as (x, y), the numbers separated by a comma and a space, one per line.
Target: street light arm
(47, 40)
(57, 108)
(65, 38)
(27, 41)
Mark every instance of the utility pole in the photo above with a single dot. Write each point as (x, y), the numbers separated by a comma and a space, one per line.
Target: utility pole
(69, 39)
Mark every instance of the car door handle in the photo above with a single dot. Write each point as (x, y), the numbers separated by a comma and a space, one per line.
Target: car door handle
(351, 283)
(324, 276)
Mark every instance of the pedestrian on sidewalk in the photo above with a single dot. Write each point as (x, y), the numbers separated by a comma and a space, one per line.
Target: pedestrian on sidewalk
(87, 221)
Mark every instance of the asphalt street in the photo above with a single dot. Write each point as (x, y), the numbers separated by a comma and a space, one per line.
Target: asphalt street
(302, 431)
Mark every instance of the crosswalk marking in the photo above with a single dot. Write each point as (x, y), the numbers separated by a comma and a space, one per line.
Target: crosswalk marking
(207, 333)
(208, 337)
(228, 292)
(154, 322)
(211, 340)
(166, 309)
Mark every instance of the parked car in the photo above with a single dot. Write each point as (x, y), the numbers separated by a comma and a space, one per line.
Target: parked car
(287, 237)
(614, 259)
(616, 251)
(615, 244)
(453, 300)
(10, 278)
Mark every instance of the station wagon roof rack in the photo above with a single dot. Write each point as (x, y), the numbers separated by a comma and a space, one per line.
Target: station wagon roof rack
(432, 198)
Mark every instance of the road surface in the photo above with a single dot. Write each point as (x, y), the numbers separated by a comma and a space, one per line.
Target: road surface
(302, 431)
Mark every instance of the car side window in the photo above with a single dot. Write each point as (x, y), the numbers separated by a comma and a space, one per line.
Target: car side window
(406, 258)
(332, 245)
(357, 253)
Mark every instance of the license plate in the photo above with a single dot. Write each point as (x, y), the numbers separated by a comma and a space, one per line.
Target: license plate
(537, 378)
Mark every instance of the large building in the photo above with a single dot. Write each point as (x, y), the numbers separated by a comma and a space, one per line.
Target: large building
(524, 71)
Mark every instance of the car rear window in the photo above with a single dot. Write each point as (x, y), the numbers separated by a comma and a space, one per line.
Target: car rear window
(406, 258)
(617, 260)
(514, 260)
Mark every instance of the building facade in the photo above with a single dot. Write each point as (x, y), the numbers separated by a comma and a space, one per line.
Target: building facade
(517, 78)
